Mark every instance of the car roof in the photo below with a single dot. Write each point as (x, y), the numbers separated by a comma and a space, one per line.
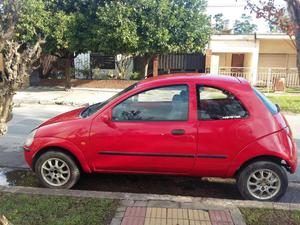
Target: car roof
(191, 77)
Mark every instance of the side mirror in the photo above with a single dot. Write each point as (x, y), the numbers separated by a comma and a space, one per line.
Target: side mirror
(105, 118)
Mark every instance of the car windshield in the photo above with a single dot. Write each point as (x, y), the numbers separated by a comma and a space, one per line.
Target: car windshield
(90, 110)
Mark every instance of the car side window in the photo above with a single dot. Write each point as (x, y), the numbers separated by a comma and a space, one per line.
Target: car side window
(218, 104)
(168, 103)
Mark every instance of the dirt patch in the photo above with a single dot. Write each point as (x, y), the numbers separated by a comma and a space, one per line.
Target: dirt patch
(115, 84)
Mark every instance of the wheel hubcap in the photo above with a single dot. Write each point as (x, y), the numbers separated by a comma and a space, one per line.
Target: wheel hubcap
(263, 184)
(55, 172)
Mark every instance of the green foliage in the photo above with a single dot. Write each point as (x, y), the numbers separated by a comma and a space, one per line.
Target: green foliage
(136, 76)
(219, 23)
(254, 216)
(244, 25)
(148, 27)
(288, 103)
(71, 25)
(28, 19)
(115, 30)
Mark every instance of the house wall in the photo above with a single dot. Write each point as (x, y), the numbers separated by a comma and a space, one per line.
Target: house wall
(277, 53)
(284, 46)
(224, 59)
(248, 60)
(239, 46)
(277, 60)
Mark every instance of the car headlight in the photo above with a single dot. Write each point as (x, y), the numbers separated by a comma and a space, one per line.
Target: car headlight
(30, 138)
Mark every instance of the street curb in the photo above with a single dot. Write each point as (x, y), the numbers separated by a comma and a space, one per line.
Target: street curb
(154, 200)
(62, 88)
(98, 89)
(39, 102)
(294, 184)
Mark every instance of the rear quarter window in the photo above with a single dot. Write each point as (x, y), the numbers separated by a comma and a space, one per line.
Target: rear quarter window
(270, 105)
(218, 104)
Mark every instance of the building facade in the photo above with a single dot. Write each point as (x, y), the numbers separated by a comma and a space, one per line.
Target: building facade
(259, 57)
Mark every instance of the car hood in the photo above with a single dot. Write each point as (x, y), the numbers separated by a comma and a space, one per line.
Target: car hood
(67, 116)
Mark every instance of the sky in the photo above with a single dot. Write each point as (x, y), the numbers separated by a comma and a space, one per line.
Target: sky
(233, 9)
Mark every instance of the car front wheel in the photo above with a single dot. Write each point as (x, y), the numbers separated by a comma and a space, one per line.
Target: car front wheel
(262, 181)
(57, 170)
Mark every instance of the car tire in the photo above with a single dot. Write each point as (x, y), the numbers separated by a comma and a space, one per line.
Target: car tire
(262, 181)
(57, 170)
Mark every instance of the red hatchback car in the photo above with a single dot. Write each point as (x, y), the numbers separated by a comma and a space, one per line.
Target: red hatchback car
(205, 126)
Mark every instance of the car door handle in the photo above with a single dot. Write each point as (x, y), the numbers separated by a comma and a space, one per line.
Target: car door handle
(178, 132)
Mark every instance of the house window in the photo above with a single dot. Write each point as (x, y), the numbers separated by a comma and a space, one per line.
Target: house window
(160, 104)
(218, 104)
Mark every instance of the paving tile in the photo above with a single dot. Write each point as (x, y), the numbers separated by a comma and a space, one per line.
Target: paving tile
(156, 213)
(155, 221)
(177, 222)
(221, 223)
(177, 214)
(135, 212)
(198, 214)
(192, 222)
(133, 221)
(220, 216)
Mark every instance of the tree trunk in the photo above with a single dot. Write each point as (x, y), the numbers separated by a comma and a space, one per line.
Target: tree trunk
(4, 221)
(6, 105)
(68, 73)
(294, 13)
(297, 37)
(123, 62)
(155, 66)
(146, 65)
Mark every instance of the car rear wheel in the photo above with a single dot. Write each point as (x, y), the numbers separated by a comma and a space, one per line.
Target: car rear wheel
(57, 170)
(262, 181)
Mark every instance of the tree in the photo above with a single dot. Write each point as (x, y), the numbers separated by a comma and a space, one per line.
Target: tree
(150, 27)
(287, 19)
(115, 33)
(219, 23)
(23, 28)
(71, 24)
(244, 25)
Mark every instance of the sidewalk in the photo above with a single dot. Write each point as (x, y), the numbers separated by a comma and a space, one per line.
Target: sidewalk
(151, 209)
(176, 216)
(50, 96)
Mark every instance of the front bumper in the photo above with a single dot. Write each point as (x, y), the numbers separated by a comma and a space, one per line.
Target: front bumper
(28, 155)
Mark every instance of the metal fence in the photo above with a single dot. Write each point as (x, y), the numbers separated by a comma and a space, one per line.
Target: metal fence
(265, 75)
(244, 72)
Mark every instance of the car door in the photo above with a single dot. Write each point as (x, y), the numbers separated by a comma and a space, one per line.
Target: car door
(150, 131)
(221, 120)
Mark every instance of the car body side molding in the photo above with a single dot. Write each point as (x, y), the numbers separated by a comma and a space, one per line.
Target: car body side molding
(163, 155)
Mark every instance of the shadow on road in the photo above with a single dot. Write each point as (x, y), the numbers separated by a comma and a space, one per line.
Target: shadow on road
(146, 184)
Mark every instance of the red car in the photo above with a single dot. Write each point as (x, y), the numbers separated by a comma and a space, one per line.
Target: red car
(187, 124)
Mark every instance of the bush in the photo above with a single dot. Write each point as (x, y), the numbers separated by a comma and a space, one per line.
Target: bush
(136, 76)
